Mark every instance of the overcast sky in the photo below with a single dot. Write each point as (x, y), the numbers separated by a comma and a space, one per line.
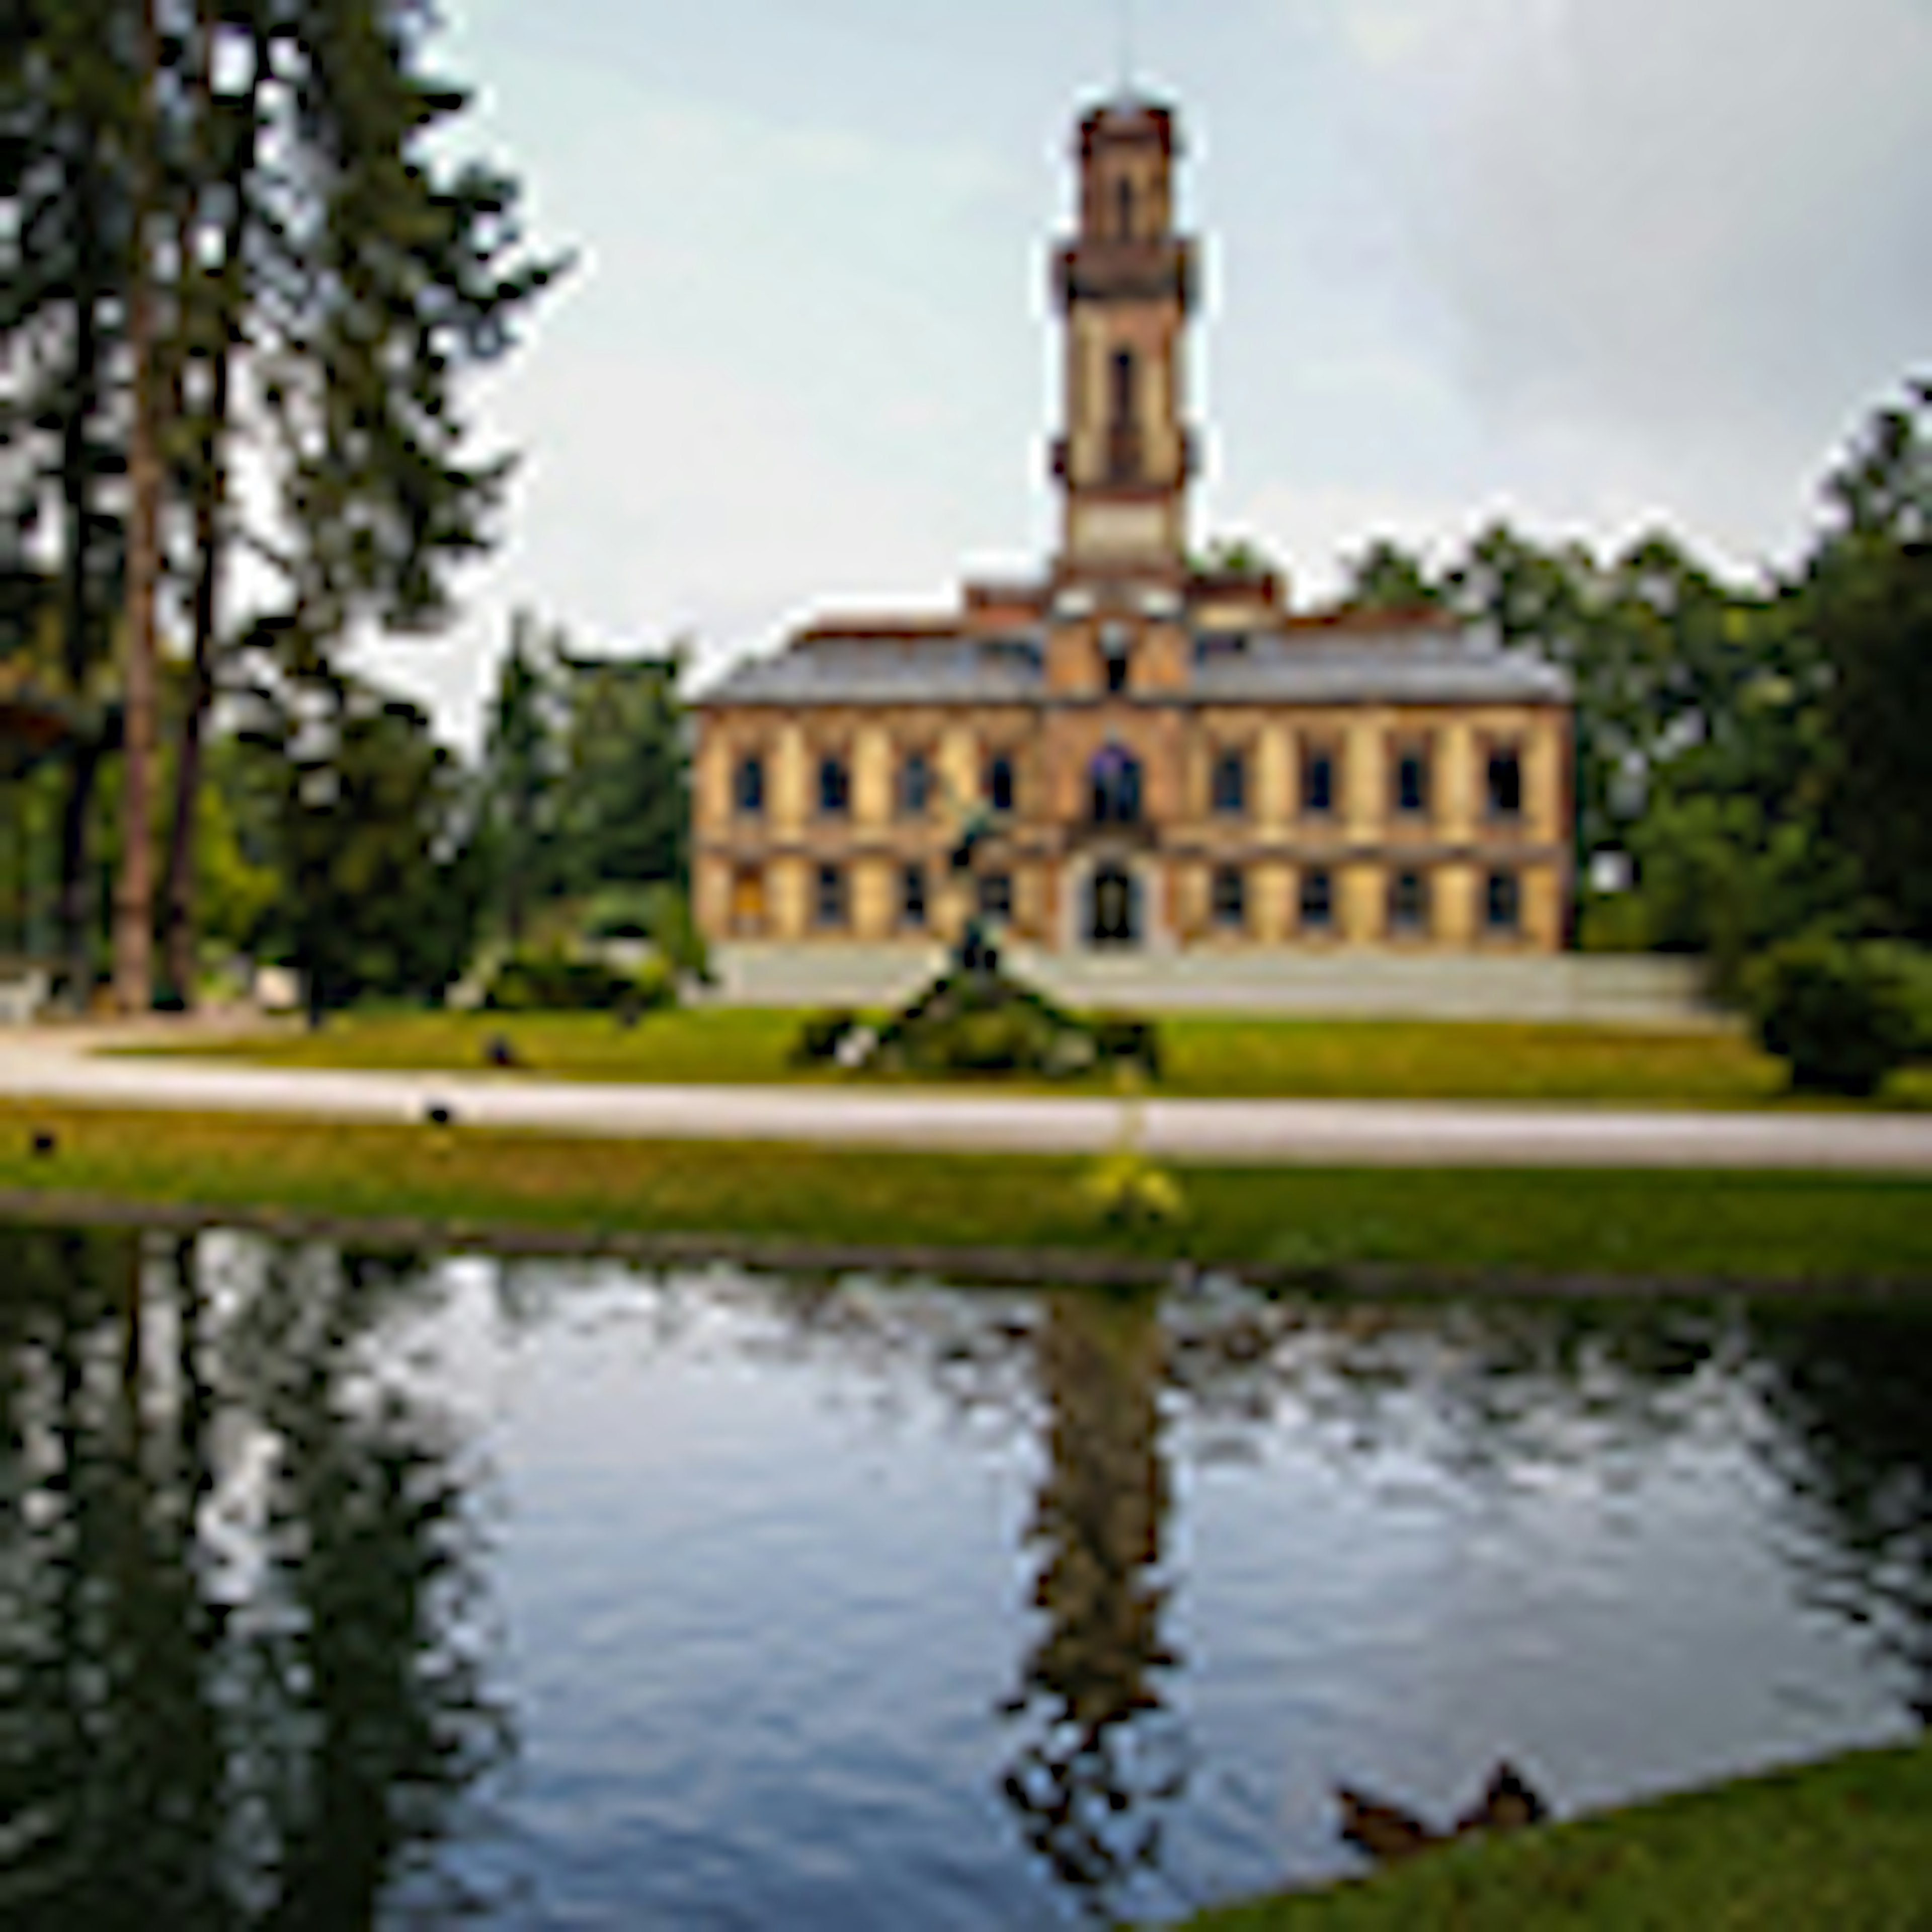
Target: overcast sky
(1594, 265)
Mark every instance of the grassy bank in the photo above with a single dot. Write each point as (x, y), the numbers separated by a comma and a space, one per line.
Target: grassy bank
(1846, 1843)
(1763, 1227)
(1204, 1056)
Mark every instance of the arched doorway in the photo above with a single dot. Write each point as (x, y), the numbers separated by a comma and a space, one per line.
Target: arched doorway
(1114, 907)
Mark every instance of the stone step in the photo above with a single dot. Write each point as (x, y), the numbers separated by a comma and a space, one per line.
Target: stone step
(1635, 989)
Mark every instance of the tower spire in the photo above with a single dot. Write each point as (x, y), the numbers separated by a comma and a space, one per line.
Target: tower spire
(1124, 284)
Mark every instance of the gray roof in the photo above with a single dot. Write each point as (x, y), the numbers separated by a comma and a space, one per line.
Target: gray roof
(1435, 667)
(889, 671)
(1445, 667)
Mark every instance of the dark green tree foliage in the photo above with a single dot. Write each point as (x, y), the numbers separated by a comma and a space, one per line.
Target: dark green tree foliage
(1868, 602)
(318, 261)
(386, 273)
(1384, 576)
(1839, 1015)
(372, 831)
(522, 770)
(67, 92)
(625, 812)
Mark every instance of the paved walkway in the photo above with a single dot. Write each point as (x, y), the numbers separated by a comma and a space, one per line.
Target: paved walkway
(63, 1066)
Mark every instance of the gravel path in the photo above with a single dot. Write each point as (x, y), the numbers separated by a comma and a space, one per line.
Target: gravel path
(64, 1066)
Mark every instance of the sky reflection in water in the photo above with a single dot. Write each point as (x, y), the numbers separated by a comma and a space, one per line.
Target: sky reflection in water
(336, 1587)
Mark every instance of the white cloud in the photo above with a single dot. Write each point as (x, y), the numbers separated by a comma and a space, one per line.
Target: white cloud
(1695, 215)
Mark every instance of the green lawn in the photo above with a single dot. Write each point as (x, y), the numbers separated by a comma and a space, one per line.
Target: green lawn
(1204, 1057)
(1768, 1227)
(1845, 1846)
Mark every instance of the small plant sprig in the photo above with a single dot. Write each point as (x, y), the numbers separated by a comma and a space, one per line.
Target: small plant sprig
(1126, 1186)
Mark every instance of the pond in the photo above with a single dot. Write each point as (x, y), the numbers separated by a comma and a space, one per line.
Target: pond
(341, 1587)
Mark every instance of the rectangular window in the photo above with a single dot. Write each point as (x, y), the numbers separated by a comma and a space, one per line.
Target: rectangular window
(1230, 787)
(1408, 904)
(1000, 787)
(1411, 781)
(915, 786)
(1317, 901)
(1230, 898)
(1318, 781)
(828, 904)
(912, 895)
(748, 787)
(835, 787)
(1502, 903)
(1504, 790)
(996, 896)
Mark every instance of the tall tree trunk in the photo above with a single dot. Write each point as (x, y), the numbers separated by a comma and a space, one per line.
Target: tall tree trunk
(74, 900)
(180, 925)
(133, 906)
(76, 908)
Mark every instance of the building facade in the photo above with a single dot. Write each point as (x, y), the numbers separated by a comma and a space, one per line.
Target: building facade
(1166, 756)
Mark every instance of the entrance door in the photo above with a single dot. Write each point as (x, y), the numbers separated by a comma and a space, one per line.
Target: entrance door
(1113, 908)
(747, 900)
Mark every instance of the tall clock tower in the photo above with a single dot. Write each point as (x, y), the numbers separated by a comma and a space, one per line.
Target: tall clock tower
(1125, 285)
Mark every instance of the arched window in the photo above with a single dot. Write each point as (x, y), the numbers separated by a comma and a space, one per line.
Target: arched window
(1123, 208)
(835, 787)
(1113, 907)
(912, 895)
(1114, 782)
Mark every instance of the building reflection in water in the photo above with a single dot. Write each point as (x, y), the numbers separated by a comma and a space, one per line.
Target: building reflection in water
(241, 1677)
(1103, 1758)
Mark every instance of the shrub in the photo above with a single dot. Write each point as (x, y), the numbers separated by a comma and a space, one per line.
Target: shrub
(555, 981)
(820, 1036)
(1613, 922)
(1126, 1037)
(1912, 966)
(660, 913)
(1838, 1015)
(620, 912)
(1007, 1039)
(1127, 1188)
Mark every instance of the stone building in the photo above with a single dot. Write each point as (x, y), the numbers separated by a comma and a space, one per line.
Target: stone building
(1169, 756)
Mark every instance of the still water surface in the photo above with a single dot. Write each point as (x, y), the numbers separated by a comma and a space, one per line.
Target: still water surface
(337, 1587)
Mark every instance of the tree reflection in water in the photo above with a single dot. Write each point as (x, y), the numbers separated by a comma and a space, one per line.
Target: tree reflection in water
(1854, 1396)
(241, 1657)
(240, 1672)
(1104, 1758)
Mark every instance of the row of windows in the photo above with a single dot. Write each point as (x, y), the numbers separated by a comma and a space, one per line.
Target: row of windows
(1409, 908)
(1115, 789)
(913, 799)
(1411, 786)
